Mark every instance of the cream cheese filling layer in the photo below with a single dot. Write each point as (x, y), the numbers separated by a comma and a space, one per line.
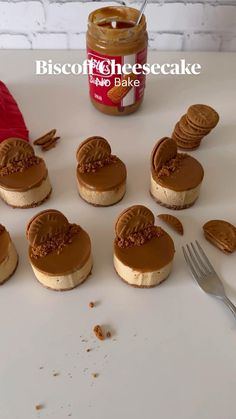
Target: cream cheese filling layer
(27, 198)
(141, 279)
(169, 197)
(102, 198)
(64, 282)
(8, 265)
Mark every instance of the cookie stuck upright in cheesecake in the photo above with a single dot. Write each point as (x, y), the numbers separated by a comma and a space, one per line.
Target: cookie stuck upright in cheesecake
(143, 252)
(176, 178)
(24, 180)
(101, 176)
(8, 256)
(59, 252)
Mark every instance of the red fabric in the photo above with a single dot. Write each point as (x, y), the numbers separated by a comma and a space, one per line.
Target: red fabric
(12, 123)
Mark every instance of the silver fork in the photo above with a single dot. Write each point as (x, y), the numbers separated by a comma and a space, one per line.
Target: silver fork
(204, 273)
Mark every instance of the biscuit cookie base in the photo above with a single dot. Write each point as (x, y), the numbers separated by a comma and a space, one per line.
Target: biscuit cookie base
(76, 278)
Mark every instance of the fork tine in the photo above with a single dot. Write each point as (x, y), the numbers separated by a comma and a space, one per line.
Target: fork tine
(200, 261)
(205, 257)
(189, 263)
(194, 261)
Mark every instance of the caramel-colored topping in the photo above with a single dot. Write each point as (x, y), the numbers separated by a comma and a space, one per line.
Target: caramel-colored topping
(55, 243)
(173, 222)
(221, 234)
(93, 167)
(151, 256)
(171, 166)
(19, 166)
(176, 171)
(94, 155)
(133, 220)
(189, 175)
(139, 238)
(29, 178)
(56, 246)
(20, 169)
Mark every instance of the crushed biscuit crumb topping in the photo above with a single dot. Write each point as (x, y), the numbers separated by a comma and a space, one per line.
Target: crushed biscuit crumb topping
(140, 238)
(172, 165)
(57, 242)
(98, 164)
(19, 166)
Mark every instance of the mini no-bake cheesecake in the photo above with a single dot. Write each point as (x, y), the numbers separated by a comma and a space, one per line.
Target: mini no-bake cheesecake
(101, 176)
(143, 252)
(8, 256)
(59, 252)
(176, 178)
(24, 180)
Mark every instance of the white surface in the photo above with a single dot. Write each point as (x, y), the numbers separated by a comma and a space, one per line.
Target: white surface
(174, 353)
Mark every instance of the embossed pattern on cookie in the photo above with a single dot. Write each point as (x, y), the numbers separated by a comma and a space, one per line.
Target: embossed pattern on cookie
(133, 220)
(173, 222)
(14, 149)
(46, 225)
(93, 149)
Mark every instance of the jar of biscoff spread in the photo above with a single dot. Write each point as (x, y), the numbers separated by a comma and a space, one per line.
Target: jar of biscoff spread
(115, 42)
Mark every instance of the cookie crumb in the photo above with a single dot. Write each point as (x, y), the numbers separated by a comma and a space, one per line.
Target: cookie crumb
(88, 350)
(91, 304)
(98, 332)
(95, 374)
(108, 334)
(55, 374)
(41, 368)
(39, 407)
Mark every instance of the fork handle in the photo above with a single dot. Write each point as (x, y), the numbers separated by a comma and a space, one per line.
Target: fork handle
(230, 305)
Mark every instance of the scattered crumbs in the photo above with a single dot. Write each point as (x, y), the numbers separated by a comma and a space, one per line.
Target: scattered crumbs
(55, 374)
(95, 374)
(39, 407)
(88, 350)
(41, 368)
(91, 304)
(114, 339)
(84, 340)
(98, 332)
(108, 334)
(70, 414)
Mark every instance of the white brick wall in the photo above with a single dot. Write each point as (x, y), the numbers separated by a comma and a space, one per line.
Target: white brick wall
(208, 25)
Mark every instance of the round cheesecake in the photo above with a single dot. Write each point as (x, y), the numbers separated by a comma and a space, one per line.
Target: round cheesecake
(143, 252)
(24, 180)
(101, 176)
(59, 252)
(8, 256)
(176, 178)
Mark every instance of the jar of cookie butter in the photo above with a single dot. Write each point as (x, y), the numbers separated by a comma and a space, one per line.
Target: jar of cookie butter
(115, 42)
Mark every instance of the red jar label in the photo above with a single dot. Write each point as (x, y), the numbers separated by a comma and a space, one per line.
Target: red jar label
(107, 86)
